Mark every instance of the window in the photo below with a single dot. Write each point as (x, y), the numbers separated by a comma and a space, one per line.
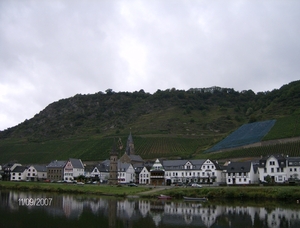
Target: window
(265, 170)
(272, 162)
(272, 170)
(291, 169)
(295, 169)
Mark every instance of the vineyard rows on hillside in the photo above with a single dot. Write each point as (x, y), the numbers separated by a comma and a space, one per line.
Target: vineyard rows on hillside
(291, 149)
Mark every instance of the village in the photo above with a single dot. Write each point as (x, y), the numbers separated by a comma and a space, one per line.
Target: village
(132, 169)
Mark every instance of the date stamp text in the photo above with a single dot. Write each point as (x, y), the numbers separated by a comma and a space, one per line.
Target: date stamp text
(38, 202)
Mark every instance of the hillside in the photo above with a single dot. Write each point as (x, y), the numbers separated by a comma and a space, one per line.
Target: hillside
(170, 123)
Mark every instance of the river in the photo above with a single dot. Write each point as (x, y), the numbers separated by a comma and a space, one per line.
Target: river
(32, 209)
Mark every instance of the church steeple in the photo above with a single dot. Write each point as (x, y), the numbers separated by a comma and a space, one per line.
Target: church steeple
(129, 145)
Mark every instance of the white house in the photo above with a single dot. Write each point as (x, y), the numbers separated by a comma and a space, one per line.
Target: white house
(41, 171)
(241, 173)
(73, 168)
(78, 167)
(275, 167)
(144, 176)
(126, 173)
(100, 172)
(18, 173)
(31, 173)
(293, 167)
(186, 171)
(68, 172)
(211, 172)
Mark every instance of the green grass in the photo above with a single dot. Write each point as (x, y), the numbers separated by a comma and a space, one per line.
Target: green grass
(73, 188)
(285, 127)
(236, 192)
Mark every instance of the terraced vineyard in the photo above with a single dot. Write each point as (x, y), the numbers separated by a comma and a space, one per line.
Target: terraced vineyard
(156, 147)
(291, 149)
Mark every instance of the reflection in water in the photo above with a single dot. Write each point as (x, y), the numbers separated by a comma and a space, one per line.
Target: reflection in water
(110, 212)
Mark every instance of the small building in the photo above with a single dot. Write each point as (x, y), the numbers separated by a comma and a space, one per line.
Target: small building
(100, 172)
(68, 172)
(41, 171)
(7, 168)
(157, 172)
(126, 173)
(241, 173)
(18, 173)
(144, 176)
(78, 167)
(274, 166)
(293, 168)
(55, 170)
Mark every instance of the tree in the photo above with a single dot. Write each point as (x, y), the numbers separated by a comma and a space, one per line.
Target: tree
(109, 91)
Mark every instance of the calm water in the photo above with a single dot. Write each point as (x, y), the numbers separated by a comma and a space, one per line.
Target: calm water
(62, 210)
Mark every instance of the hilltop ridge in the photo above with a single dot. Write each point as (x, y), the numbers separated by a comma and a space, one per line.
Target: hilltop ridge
(195, 120)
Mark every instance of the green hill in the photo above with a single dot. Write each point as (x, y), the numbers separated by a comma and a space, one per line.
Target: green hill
(170, 123)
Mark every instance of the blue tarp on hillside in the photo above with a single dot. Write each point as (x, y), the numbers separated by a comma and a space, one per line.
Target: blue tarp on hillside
(245, 135)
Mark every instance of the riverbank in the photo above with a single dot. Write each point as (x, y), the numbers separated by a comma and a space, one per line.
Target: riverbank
(73, 188)
(235, 192)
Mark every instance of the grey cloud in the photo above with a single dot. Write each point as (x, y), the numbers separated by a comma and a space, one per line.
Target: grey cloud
(55, 49)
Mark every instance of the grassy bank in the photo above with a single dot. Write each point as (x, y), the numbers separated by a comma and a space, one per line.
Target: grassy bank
(238, 192)
(244, 193)
(72, 188)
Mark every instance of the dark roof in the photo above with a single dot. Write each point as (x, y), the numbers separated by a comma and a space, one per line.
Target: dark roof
(235, 167)
(56, 164)
(103, 167)
(137, 158)
(123, 166)
(40, 168)
(19, 169)
(177, 164)
(280, 158)
(76, 163)
(293, 161)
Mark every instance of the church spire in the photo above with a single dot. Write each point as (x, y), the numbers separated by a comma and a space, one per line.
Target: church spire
(129, 145)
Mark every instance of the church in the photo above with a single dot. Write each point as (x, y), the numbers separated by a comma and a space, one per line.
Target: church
(129, 159)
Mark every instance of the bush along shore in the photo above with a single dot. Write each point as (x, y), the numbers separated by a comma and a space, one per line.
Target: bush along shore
(233, 192)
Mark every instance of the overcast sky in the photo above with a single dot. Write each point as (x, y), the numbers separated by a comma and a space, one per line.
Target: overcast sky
(54, 49)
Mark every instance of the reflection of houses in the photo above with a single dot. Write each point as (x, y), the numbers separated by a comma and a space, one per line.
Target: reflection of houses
(192, 214)
(72, 207)
(144, 207)
(241, 173)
